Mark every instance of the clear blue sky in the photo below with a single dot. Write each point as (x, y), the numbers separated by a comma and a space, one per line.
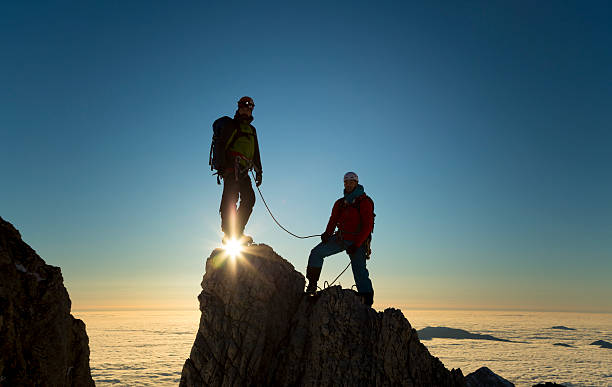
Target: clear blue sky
(482, 131)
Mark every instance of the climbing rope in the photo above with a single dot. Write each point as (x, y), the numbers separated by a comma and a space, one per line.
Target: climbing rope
(280, 225)
(325, 284)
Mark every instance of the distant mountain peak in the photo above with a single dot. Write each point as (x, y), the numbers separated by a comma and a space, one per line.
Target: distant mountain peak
(564, 328)
(602, 344)
(429, 333)
(484, 377)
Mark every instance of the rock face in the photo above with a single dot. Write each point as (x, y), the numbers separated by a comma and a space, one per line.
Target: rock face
(258, 328)
(484, 377)
(41, 344)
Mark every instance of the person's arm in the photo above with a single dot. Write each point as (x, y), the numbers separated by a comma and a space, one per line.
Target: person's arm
(333, 219)
(257, 156)
(257, 160)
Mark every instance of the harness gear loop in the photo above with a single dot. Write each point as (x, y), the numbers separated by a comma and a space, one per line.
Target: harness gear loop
(367, 245)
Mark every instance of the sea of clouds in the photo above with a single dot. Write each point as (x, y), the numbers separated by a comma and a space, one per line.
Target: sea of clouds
(149, 348)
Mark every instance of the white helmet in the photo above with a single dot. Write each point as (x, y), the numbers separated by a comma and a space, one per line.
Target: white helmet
(351, 176)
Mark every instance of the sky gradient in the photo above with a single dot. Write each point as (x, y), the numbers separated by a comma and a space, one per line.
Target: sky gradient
(482, 131)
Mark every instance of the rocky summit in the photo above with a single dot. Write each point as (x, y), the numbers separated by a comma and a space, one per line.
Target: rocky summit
(259, 328)
(41, 343)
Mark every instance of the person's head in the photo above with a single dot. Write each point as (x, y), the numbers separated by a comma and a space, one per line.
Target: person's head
(245, 107)
(350, 181)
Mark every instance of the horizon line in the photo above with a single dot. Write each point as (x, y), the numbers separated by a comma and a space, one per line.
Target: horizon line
(178, 309)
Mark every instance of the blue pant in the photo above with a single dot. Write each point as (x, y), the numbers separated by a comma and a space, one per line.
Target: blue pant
(358, 261)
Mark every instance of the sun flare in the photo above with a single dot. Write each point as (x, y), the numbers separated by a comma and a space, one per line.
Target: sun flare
(233, 247)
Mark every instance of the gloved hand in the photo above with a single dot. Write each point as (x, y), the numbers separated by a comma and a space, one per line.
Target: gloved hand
(325, 237)
(258, 178)
(351, 249)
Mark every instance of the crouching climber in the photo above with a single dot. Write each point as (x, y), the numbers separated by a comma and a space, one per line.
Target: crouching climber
(353, 215)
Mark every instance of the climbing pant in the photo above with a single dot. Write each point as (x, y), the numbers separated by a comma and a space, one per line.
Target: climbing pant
(233, 221)
(358, 261)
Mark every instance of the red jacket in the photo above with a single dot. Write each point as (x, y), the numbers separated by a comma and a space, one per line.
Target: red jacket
(355, 221)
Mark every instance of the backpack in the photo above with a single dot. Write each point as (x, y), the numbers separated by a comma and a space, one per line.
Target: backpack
(221, 142)
(217, 147)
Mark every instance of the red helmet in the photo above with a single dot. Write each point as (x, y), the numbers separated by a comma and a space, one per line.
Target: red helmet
(246, 101)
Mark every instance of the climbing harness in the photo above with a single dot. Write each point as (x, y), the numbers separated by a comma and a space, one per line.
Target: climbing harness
(242, 166)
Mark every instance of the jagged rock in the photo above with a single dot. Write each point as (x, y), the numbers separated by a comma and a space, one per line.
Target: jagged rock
(484, 377)
(259, 328)
(41, 343)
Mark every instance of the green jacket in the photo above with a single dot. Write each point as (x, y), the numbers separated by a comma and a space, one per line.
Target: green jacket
(240, 139)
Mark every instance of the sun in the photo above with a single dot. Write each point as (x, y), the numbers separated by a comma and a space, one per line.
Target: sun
(233, 247)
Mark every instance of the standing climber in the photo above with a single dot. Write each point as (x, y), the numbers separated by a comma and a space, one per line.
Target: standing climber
(353, 215)
(236, 153)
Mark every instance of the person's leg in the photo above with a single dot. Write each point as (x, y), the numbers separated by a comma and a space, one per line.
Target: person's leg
(228, 205)
(247, 201)
(312, 275)
(362, 276)
(323, 250)
(315, 260)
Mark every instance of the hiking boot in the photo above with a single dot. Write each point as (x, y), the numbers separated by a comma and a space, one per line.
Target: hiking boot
(312, 274)
(311, 289)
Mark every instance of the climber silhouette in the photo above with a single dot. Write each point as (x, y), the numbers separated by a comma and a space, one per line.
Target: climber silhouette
(234, 152)
(353, 215)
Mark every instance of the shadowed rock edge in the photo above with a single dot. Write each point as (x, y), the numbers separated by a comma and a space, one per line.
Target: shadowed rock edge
(41, 343)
